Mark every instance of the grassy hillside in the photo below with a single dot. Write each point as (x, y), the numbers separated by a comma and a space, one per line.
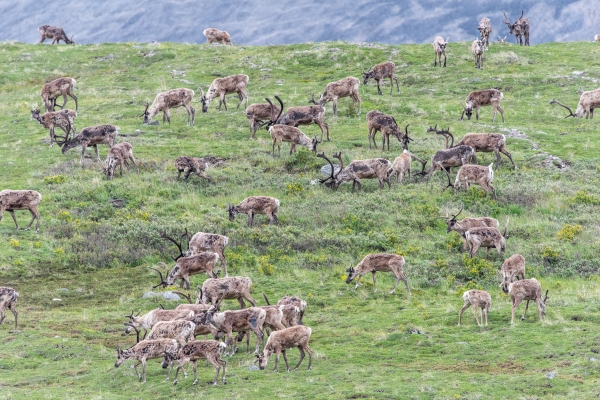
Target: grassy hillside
(88, 265)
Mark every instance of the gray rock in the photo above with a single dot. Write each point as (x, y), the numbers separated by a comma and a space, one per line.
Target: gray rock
(62, 289)
(593, 359)
(149, 295)
(326, 169)
(550, 375)
(151, 123)
(578, 73)
(170, 296)
(253, 368)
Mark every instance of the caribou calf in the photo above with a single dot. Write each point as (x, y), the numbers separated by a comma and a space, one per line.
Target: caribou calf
(401, 166)
(144, 351)
(478, 299)
(230, 321)
(478, 48)
(187, 165)
(512, 268)
(379, 262)
(8, 299)
(11, 200)
(256, 205)
(91, 136)
(279, 341)
(285, 133)
(478, 174)
(233, 287)
(117, 156)
(487, 237)
(193, 351)
(439, 47)
(479, 98)
(527, 289)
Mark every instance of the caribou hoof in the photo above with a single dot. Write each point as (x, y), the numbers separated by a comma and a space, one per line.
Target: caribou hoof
(175, 382)
(214, 383)
(224, 382)
(522, 318)
(196, 381)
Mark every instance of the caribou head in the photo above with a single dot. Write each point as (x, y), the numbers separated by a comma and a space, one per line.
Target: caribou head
(451, 221)
(332, 181)
(512, 27)
(367, 75)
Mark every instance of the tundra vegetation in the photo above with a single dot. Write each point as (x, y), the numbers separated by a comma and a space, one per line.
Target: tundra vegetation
(98, 237)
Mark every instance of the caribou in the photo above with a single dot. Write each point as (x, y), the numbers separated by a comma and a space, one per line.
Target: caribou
(164, 101)
(479, 299)
(479, 98)
(63, 119)
(221, 87)
(382, 71)
(345, 87)
(465, 224)
(357, 170)
(527, 289)
(12, 200)
(520, 28)
(256, 205)
(280, 341)
(91, 136)
(56, 33)
(379, 262)
(58, 87)
(8, 299)
(485, 30)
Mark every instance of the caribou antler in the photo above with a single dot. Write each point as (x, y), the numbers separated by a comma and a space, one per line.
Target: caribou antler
(546, 296)
(447, 174)
(332, 178)
(137, 333)
(266, 299)
(186, 296)
(554, 101)
(162, 280)
(178, 244)
(507, 20)
(522, 13)
(339, 157)
(131, 316)
(144, 113)
(312, 99)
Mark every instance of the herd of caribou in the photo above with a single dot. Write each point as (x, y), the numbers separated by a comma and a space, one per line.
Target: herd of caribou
(173, 332)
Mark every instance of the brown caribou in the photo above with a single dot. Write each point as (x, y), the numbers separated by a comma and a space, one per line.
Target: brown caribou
(382, 71)
(91, 136)
(164, 101)
(63, 119)
(280, 341)
(479, 98)
(485, 30)
(372, 263)
(214, 35)
(256, 205)
(439, 48)
(12, 200)
(224, 86)
(479, 299)
(117, 156)
(56, 33)
(345, 87)
(357, 170)
(58, 87)
(520, 28)
(527, 289)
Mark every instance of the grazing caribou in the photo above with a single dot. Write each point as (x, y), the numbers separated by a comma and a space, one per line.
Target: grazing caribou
(190, 265)
(187, 165)
(91, 136)
(117, 156)
(193, 351)
(221, 87)
(214, 35)
(479, 98)
(164, 101)
(587, 102)
(180, 330)
(486, 143)
(56, 33)
(280, 341)
(512, 268)
(12, 200)
(291, 301)
(520, 28)
(382, 71)
(478, 299)
(63, 119)
(527, 289)
(475, 174)
(357, 170)
(379, 262)
(446, 159)
(345, 87)
(8, 299)
(256, 205)
(58, 87)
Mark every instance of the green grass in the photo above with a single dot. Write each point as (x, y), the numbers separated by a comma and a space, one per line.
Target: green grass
(362, 340)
